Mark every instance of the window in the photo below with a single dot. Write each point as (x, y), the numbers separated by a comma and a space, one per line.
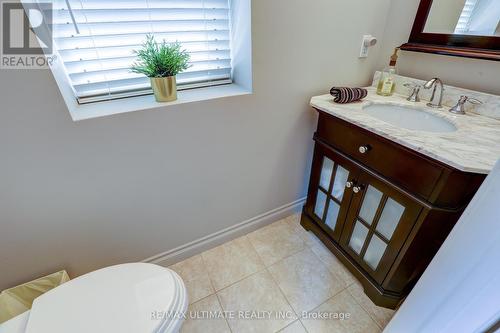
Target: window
(479, 17)
(465, 17)
(95, 40)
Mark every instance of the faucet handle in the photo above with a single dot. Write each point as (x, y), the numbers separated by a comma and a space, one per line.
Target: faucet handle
(472, 100)
(412, 85)
(460, 107)
(414, 91)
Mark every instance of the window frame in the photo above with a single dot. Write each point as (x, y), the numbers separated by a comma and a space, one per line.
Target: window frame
(242, 78)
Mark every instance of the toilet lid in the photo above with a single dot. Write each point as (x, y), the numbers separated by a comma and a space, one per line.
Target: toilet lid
(134, 298)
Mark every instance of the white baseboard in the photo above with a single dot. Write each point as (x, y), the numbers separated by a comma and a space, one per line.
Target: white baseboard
(198, 246)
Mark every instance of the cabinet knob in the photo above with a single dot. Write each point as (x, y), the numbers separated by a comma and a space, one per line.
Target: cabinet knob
(358, 188)
(349, 184)
(364, 149)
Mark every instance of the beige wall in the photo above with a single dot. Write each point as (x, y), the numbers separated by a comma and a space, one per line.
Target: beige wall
(481, 75)
(444, 15)
(123, 188)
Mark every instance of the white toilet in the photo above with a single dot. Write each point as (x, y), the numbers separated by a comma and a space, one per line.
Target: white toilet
(135, 298)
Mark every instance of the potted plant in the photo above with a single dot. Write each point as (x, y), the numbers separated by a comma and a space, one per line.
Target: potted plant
(161, 62)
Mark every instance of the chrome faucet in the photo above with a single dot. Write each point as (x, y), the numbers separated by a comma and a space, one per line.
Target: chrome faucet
(414, 90)
(433, 83)
(460, 107)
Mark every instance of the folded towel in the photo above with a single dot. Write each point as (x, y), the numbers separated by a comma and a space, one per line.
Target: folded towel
(347, 95)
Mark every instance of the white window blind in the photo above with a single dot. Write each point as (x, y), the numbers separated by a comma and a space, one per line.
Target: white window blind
(465, 17)
(95, 40)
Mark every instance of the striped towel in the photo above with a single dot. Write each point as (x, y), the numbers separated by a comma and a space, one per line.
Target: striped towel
(347, 95)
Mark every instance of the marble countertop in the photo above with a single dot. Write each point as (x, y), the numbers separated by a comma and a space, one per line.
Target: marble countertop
(473, 147)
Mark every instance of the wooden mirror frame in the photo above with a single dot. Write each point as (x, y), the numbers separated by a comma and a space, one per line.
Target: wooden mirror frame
(480, 47)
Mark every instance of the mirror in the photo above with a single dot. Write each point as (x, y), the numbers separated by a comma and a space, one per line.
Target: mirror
(465, 28)
(464, 17)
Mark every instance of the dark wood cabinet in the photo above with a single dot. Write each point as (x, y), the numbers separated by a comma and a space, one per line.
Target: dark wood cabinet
(380, 219)
(382, 209)
(331, 200)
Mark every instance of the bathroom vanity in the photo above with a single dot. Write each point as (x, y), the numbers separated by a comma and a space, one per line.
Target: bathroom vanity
(384, 196)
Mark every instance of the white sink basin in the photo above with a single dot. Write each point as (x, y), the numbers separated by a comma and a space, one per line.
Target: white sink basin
(409, 118)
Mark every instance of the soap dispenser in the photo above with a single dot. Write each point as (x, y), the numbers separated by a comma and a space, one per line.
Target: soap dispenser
(387, 84)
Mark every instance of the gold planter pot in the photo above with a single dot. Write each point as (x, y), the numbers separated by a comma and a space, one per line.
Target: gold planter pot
(164, 88)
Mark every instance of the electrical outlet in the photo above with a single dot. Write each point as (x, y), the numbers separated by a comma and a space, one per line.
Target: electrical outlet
(368, 40)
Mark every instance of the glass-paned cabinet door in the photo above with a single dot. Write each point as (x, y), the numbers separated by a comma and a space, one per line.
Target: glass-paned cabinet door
(330, 193)
(379, 220)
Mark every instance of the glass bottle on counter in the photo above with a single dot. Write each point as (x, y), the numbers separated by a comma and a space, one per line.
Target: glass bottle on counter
(387, 83)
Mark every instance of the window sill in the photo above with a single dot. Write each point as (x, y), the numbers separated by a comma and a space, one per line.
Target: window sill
(107, 108)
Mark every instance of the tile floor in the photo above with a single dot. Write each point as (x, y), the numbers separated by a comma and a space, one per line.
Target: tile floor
(276, 279)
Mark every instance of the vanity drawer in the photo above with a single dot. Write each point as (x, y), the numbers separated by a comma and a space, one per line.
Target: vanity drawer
(403, 167)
